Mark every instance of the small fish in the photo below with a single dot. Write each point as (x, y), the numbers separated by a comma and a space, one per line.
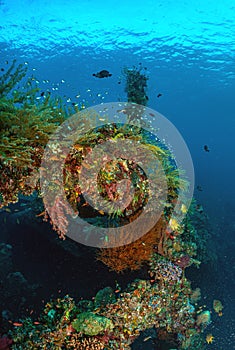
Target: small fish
(206, 148)
(2, 69)
(41, 214)
(159, 95)
(42, 93)
(199, 188)
(54, 158)
(147, 338)
(102, 74)
(17, 324)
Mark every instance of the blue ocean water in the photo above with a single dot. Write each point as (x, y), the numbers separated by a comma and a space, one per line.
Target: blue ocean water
(189, 52)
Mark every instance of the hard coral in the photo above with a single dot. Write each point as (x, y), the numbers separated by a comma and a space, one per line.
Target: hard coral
(76, 342)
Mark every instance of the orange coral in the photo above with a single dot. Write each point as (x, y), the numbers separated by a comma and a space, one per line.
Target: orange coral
(133, 255)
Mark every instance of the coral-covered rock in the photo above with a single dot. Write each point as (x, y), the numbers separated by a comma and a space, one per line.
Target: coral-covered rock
(92, 324)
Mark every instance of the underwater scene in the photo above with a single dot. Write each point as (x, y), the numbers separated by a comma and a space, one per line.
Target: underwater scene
(117, 210)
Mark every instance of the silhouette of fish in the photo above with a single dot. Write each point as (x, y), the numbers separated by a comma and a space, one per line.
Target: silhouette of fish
(206, 148)
(102, 74)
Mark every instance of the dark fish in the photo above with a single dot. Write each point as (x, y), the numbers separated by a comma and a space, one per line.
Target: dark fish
(2, 69)
(159, 95)
(199, 188)
(42, 93)
(102, 74)
(206, 148)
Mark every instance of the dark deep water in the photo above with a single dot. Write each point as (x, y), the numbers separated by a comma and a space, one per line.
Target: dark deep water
(192, 66)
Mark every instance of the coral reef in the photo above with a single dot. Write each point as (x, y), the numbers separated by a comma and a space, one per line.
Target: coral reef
(162, 302)
(111, 320)
(27, 123)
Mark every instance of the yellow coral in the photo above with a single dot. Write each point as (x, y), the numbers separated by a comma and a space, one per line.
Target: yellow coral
(174, 225)
(183, 209)
(209, 338)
